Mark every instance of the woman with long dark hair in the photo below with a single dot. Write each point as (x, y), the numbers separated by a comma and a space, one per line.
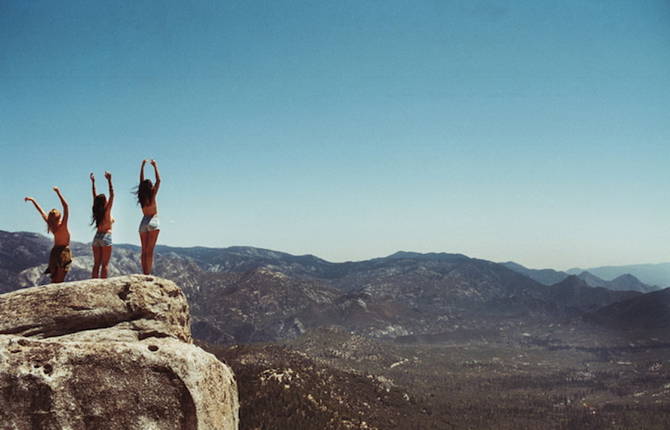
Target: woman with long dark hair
(102, 218)
(149, 227)
(60, 257)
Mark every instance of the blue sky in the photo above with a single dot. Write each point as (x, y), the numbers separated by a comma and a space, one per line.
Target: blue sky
(534, 131)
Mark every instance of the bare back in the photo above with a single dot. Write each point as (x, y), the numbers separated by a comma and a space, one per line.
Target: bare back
(152, 208)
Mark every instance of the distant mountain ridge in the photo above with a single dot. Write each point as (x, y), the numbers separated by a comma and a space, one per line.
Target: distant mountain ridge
(624, 282)
(427, 256)
(657, 275)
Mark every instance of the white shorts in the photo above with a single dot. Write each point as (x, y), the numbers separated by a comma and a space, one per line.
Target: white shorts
(149, 223)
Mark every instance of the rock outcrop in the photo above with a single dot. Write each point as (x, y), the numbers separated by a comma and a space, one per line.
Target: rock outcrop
(108, 354)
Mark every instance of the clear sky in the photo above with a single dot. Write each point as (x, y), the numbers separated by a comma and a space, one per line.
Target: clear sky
(534, 131)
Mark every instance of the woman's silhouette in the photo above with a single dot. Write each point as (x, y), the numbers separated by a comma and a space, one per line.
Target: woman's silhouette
(60, 257)
(149, 227)
(102, 217)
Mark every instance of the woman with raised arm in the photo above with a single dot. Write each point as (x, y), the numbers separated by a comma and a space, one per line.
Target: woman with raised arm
(102, 217)
(149, 227)
(60, 257)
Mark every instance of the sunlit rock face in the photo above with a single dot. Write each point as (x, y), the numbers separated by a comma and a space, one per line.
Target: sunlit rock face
(108, 354)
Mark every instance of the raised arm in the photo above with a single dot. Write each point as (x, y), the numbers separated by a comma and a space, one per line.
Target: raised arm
(142, 170)
(37, 206)
(93, 186)
(110, 200)
(158, 176)
(66, 208)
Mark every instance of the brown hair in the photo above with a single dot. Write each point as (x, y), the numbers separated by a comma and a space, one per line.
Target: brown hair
(99, 204)
(145, 191)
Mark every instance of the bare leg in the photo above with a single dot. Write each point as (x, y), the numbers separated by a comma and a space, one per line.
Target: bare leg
(106, 254)
(97, 257)
(144, 238)
(152, 237)
(58, 276)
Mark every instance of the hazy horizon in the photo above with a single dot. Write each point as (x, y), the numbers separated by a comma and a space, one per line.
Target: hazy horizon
(535, 132)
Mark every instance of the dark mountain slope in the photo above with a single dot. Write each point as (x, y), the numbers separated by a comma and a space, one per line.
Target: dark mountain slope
(628, 282)
(543, 276)
(592, 280)
(646, 312)
(259, 305)
(574, 292)
(21, 250)
(285, 389)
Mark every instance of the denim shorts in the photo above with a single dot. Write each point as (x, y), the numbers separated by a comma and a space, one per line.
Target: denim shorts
(102, 238)
(149, 223)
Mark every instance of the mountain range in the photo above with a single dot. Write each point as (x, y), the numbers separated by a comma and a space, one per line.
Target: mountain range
(407, 341)
(244, 294)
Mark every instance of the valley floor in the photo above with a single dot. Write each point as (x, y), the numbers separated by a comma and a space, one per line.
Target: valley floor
(558, 377)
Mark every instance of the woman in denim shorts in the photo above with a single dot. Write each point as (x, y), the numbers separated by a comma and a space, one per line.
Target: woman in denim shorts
(149, 226)
(102, 217)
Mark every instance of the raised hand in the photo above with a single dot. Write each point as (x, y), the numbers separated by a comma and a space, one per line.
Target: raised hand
(92, 177)
(56, 189)
(153, 163)
(108, 176)
(37, 206)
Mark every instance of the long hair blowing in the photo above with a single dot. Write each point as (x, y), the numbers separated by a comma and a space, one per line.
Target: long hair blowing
(53, 220)
(99, 204)
(145, 192)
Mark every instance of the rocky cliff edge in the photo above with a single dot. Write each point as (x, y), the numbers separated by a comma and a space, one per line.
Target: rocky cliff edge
(108, 354)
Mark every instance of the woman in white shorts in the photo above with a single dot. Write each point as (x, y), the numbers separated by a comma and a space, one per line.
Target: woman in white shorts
(149, 226)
